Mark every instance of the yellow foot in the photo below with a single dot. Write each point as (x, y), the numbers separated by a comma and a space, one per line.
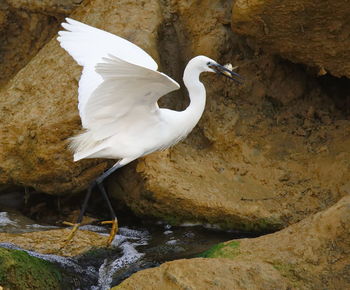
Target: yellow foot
(113, 232)
(71, 234)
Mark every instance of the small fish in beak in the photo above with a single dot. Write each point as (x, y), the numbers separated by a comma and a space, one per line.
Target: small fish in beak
(227, 71)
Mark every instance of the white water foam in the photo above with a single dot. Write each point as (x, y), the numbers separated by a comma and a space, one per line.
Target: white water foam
(41, 227)
(130, 255)
(93, 228)
(172, 242)
(5, 220)
(107, 269)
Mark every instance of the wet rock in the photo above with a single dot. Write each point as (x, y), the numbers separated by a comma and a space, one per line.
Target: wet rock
(20, 271)
(14, 222)
(315, 33)
(11, 198)
(311, 254)
(51, 241)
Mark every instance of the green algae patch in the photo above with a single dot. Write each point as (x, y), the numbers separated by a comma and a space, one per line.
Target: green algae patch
(263, 225)
(18, 270)
(223, 250)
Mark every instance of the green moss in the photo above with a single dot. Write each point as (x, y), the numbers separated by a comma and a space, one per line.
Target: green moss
(261, 225)
(18, 270)
(222, 250)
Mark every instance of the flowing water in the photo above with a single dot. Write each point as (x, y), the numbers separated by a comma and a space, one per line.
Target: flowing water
(138, 245)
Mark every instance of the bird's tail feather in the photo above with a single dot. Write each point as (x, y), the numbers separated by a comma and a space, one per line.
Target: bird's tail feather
(83, 142)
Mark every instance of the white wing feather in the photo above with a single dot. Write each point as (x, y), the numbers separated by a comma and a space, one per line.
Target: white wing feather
(88, 45)
(127, 97)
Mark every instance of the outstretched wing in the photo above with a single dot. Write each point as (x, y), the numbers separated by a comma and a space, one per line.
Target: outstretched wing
(88, 45)
(127, 97)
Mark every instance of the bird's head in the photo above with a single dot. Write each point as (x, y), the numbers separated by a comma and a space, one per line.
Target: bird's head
(206, 64)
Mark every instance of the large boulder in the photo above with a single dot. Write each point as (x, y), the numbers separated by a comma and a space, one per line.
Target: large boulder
(312, 254)
(312, 32)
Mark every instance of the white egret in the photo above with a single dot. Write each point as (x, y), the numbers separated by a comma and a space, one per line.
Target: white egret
(118, 93)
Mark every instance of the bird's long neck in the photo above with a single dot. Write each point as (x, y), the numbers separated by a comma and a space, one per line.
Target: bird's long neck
(197, 96)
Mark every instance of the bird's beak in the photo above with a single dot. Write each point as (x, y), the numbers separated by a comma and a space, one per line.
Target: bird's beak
(225, 71)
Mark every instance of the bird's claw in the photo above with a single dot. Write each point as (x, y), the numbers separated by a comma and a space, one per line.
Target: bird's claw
(113, 231)
(71, 234)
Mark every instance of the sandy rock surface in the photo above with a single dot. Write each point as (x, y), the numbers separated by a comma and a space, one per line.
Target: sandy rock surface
(314, 32)
(207, 274)
(312, 254)
(51, 241)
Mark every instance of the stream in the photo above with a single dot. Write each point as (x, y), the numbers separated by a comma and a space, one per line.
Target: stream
(140, 244)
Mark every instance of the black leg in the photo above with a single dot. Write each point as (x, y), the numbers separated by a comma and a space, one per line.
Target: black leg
(85, 203)
(114, 220)
(105, 195)
(108, 172)
(80, 217)
(99, 183)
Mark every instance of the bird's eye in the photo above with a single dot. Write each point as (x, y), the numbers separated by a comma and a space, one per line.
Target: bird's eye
(208, 63)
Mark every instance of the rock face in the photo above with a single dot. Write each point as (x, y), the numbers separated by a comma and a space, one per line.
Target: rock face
(20, 271)
(312, 32)
(25, 26)
(264, 155)
(311, 254)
